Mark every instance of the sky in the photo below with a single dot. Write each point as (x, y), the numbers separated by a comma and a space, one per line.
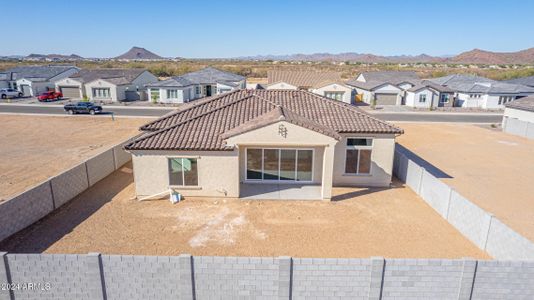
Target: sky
(219, 29)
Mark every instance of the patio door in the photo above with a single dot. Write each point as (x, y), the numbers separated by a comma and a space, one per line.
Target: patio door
(279, 164)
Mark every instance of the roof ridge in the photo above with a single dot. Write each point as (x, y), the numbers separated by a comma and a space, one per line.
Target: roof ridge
(194, 104)
(351, 107)
(187, 120)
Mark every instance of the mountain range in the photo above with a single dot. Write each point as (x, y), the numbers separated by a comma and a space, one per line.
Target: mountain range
(475, 56)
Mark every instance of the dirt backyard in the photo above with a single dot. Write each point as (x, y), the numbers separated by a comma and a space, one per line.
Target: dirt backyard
(34, 148)
(359, 223)
(493, 169)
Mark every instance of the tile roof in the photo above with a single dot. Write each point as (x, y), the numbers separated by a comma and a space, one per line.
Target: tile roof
(304, 79)
(368, 85)
(36, 72)
(395, 77)
(207, 75)
(204, 124)
(127, 75)
(526, 103)
(431, 85)
(477, 84)
(528, 81)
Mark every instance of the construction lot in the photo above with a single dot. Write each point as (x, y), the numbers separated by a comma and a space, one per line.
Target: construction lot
(362, 222)
(492, 169)
(34, 148)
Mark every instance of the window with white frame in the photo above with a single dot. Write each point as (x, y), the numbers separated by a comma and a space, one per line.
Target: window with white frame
(172, 94)
(334, 95)
(444, 98)
(101, 93)
(505, 99)
(154, 94)
(422, 98)
(197, 90)
(475, 96)
(277, 164)
(183, 171)
(358, 156)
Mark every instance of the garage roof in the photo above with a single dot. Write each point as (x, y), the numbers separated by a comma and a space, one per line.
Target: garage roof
(204, 124)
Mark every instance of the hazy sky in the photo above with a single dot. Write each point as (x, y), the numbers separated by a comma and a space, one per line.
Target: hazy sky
(196, 29)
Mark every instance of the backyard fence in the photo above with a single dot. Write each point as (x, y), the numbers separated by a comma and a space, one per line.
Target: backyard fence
(96, 276)
(28, 207)
(480, 227)
(518, 127)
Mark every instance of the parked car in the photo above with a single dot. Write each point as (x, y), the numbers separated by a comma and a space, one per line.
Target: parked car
(10, 93)
(50, 95)
(82, 107)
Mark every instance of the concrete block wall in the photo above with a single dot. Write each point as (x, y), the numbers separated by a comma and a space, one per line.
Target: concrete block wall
(55, 276)
(476, 224)
(32, 205)
(69, 184)
(330, 278)
(25, 209)
(236, 277)
(100, 166)
(519, 127)
(422, 279)
(95, 276)
(125, 277)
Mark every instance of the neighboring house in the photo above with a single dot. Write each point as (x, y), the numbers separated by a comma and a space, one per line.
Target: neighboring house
(429, 95)
(480, 92)
(384, 87)
(518, 117)
(107, 84)
(203, 83)
(327, 84)
(528, 81)
(33, 80)
(252, 143)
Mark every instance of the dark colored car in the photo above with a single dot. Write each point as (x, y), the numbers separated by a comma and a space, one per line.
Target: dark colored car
(50, 95)
(82, 108)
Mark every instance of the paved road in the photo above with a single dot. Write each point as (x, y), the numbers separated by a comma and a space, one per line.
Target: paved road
(156, 112)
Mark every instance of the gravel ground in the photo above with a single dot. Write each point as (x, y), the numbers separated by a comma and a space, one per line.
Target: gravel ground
(361, 223)
(34, 148)
(493, 169)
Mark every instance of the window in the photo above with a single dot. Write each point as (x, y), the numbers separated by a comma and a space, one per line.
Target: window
(279, 164)
(101, 93)
(444, 98)
(505, 99)
(422, 98)
(334, 95)
(154, 94)
(358, 156)
(475, 95)
(197, 90)
(172, 94)
(183, 172)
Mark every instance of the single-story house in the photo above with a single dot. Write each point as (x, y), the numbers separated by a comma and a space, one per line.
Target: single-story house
(110, 85)
(384, 87)
(429, 95)
(203, 83)
(327, 84)
(518, 117)
(253, 143)
(33, 80)
(480, 92)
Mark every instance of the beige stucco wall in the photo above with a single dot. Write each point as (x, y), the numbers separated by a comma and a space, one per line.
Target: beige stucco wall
(281, 86)
(381, 166)
(218, 172)
(99, 83)
(69, 82)
(523, 115)
(335, 87)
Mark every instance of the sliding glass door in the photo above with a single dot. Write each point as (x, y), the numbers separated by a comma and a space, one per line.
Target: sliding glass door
(273, 164)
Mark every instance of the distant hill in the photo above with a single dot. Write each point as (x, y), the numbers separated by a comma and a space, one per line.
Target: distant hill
(478, 56)
(138, 53)
(54, 56)
(475, 56)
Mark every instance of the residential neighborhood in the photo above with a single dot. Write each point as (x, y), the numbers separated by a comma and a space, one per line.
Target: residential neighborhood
(227, 150)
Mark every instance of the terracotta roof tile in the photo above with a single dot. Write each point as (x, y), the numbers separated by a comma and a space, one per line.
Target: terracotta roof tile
(204, 124)
(304, 78)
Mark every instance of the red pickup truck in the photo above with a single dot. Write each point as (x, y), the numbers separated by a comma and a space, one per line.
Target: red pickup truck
(50, 95)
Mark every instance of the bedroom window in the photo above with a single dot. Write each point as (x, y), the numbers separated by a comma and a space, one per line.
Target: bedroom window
(358, 156)
(183, 172)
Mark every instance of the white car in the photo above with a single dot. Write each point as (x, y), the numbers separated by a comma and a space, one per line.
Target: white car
(10, 93)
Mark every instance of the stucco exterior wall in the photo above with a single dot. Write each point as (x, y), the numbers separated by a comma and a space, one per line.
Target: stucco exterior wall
(69, 82)
(412, 99)
(381, 162)
(218, 173)
(523, 115)
(99, 83)
(347, 96)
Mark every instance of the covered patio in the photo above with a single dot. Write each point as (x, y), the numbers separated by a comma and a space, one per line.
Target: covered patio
(280, 191)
